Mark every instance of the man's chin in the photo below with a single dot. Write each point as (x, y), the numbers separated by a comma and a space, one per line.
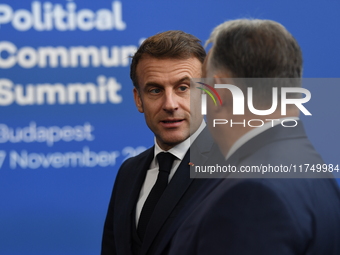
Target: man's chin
(172, 141)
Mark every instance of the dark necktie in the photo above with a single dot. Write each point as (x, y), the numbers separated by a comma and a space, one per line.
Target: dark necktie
(165, 161)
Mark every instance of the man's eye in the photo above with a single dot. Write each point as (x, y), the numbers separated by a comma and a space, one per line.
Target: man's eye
(154, 91)
(183, 88)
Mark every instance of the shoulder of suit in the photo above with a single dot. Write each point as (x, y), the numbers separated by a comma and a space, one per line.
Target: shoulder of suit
(140, 156)
(132, 162)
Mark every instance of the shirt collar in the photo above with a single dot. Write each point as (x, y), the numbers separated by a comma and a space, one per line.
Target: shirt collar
(254, 132)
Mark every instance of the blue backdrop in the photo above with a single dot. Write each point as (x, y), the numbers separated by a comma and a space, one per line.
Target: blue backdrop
(67, 117)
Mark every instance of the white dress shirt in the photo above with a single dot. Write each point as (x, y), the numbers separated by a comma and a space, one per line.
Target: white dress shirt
(151, 176)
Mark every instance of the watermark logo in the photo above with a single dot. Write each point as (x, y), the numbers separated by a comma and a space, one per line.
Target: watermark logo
(210, 91)
(238, 99)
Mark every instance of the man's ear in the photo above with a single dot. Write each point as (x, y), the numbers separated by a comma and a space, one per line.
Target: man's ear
(138, 100)
(218, 80)
(225, 94)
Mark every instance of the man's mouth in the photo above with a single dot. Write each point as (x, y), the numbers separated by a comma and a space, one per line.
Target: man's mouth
(171, 121)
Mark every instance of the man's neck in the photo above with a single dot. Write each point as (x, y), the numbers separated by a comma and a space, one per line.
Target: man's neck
(246, 125)
(256, 131)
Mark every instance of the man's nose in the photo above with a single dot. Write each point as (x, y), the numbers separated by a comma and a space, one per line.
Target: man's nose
(170, 101)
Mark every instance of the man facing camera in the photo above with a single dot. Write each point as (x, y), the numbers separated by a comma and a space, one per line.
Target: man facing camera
(248, 213)
(152, 189)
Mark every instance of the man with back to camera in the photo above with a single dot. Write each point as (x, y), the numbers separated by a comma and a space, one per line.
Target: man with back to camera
(152, 188)
(260, 215)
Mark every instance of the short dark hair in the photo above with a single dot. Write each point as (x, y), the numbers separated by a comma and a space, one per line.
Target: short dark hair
(252, 48)
(170, 44)
(256, 49)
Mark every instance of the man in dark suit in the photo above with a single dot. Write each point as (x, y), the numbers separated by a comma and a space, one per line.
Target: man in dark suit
(250, 212)
(152, 189)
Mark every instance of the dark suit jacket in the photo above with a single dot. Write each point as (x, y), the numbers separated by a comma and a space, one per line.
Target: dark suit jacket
(119, 236)
(266, 216)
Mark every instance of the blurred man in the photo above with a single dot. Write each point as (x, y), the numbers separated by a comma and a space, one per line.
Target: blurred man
(152, 189)
(248, 213)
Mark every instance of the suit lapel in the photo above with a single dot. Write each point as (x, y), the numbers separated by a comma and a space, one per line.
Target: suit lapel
(176, 188)
(140, 173)
(139, 176)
